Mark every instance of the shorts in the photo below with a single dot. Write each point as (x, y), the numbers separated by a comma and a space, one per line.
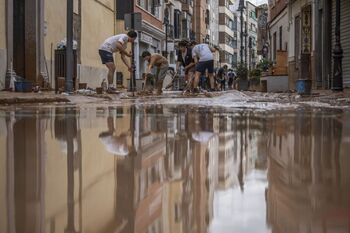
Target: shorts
(106, 57)
(205, 65)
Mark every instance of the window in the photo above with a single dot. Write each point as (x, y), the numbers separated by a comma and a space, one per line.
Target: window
(207, 18)
(177, 26)
(281, 34)
(152, 6)
(185, 33)
(234, 59)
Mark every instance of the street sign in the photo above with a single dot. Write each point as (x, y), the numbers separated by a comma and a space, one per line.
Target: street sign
(137, 22)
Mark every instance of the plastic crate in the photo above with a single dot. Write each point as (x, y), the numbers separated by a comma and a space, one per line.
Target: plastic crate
(23, 86)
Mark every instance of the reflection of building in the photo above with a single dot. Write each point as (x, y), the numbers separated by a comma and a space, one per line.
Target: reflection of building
(227, 175)
(175, 163)
(251, 30)
(308, 186)
(227, 37)
(140, 176)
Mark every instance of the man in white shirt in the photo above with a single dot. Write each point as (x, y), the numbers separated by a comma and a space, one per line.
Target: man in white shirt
(117, 43)
(204, 59)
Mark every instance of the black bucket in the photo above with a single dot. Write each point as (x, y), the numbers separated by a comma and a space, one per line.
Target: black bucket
(303, 86)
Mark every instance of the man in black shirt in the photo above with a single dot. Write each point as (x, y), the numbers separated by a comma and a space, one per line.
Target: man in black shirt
(184, 58)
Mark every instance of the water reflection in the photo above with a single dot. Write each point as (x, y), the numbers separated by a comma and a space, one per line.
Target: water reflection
(160, 169)
(309, 179)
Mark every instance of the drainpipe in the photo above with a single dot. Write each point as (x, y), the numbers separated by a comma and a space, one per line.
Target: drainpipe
(337, 84)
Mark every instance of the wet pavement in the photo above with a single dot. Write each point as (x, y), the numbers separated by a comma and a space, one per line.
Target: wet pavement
(165, 168)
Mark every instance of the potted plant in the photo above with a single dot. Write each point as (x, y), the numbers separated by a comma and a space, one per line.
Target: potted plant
(242, 77)
(265, 66)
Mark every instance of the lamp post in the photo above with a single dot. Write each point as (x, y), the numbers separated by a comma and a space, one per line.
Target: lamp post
(241, 9)
(337, 84)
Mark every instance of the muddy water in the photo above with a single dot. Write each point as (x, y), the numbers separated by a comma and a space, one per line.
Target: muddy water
(160, 169)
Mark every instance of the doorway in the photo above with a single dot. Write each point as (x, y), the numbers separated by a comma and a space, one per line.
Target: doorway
(19, 37)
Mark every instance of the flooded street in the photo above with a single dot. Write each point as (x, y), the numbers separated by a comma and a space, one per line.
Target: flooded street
(170, 169)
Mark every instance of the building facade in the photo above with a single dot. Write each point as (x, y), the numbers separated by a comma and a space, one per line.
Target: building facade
(30, 35)
(312, 42)
(227, 39)
(262, 37)
(278, 28)
(251, 30)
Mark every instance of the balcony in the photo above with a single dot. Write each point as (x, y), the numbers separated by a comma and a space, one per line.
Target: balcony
(186, 7)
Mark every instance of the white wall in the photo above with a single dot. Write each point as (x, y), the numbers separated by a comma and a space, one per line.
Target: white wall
(281, 20)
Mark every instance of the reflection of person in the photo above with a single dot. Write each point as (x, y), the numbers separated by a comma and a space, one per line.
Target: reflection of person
(202, 136)
(117, 43)
(115, 144)
(162, 65)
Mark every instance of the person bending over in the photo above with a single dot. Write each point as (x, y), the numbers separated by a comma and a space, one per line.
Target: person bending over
(162, 65)
(114, 44)
(204, 60)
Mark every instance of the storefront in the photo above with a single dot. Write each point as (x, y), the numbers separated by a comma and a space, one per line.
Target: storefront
(145, 43)
(149, 40)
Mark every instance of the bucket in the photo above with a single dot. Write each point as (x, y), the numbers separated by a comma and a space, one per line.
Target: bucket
(303, 86)
(23, 86)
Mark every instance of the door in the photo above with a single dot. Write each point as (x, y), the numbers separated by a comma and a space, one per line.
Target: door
(19, 37)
